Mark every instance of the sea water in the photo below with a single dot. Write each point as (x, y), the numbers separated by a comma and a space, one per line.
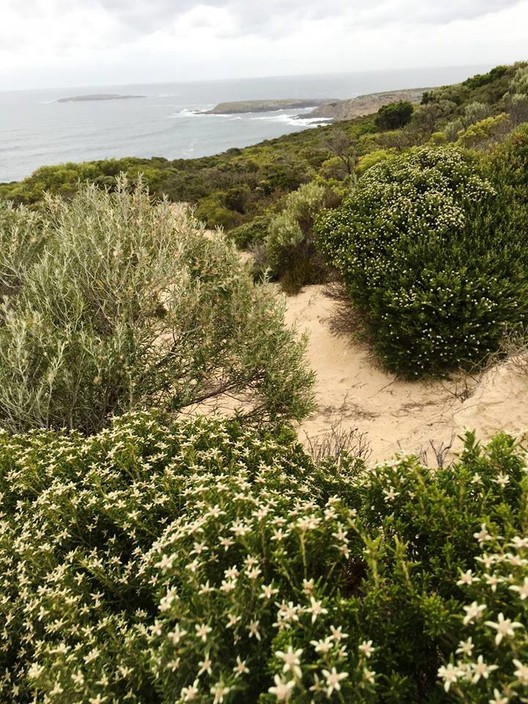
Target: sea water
(36, 129)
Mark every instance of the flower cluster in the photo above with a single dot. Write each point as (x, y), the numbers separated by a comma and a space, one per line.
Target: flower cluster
(491, 660)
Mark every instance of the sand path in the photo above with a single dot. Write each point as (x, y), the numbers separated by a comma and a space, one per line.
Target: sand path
(396, 416)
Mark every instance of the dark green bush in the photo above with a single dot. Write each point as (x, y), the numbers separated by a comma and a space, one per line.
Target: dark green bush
(250, 233)
(394, 115)
(158, 557)
(433, 259)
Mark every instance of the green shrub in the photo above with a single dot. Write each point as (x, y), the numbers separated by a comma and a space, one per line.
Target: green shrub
(132, 305)
(432, 258)
(250, 233)
(157, 558)
(480, 134)
(290, 253)
(394, 115)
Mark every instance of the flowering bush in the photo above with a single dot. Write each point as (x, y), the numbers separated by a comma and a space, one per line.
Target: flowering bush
(113, 303)
(431, 259)
(490, 663)
(210, 562)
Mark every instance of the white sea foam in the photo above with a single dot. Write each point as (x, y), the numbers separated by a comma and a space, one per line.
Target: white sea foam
(294, 120)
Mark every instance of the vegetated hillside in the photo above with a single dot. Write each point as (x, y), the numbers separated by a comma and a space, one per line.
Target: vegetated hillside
(232, 188)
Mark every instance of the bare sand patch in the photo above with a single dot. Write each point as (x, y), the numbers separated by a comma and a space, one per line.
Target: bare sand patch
(394, 415)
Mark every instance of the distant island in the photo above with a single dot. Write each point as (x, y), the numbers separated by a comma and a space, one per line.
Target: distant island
(98, 96)
(243, 106)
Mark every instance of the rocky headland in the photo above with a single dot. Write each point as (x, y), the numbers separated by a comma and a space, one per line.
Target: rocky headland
(364, 104)
(244, 106)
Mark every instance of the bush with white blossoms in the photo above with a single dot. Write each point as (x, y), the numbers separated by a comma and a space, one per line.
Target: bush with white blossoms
(431, 258)
(164, 562)
(490, 663)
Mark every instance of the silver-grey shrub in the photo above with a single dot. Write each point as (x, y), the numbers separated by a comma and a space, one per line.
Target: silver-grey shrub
(130, 304)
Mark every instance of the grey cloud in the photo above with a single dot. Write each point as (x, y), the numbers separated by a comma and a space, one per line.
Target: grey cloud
(267, 16)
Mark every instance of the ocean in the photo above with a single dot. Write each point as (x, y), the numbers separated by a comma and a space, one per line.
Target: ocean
(36, 130)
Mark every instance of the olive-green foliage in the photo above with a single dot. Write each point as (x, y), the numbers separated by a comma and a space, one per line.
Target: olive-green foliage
(290, 253)
(128, 305)
(251, 233)
(159, 556)
(517, 96)
(433, 257)
(474, 112)
(482, 133)
(394, 115)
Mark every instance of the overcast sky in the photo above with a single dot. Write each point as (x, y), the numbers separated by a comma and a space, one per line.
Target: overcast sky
(55, 43)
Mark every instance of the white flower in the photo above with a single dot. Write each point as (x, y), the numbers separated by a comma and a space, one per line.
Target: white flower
(202, 631)
(473, 612)
(502, 480)
(481, 669)
(232, 620)
(366, 648)
(205, 665)
(316, 609)
(188, 694)
(282, 689)
(390, 494)
(369, 675)
(482, 534)
(449, 674)
(253, 630)
(498, 698)
(465, 647)
(308, 586)
(268, 591)
(467, 577)
(333, 680)
(493, 581)
(322, 646)
(239, 529)
(240, 668)
(219, 691)
(292, 661)
(522, 590)
(519, 543)
(337, 634)
(504, 627)
(231, 573)
(227, 586)
(521, 673)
